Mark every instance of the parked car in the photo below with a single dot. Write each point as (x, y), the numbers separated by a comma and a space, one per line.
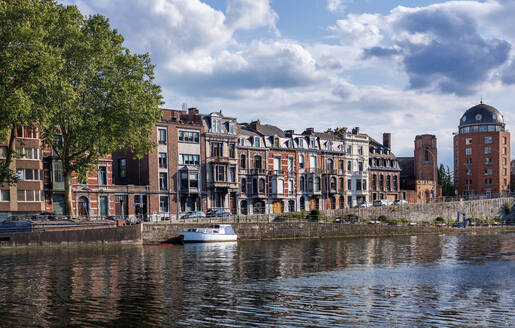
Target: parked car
(193, 215)
(382, 202)
(364, 204)
(400, 202)
(221, 213)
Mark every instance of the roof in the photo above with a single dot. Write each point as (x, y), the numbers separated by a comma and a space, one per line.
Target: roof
(244, 129)
(481, 114)
(327, 135)
(271, 130)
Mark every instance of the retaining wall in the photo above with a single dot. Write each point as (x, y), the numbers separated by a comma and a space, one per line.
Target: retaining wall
(123, 235)
(161, 232)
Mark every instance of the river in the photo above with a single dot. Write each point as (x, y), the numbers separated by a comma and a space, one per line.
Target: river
(408, 281)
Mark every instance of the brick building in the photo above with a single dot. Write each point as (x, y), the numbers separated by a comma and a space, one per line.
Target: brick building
(482, 153)
(384, 171)
(169, 179)
(419, 174)
(24, 197)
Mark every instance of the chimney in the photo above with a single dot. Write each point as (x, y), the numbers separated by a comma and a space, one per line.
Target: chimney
(355, 130)
(255, 125)
(387, 140)
(309, 131)
(289, 132)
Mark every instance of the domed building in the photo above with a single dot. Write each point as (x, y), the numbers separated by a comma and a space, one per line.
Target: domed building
(481, 153)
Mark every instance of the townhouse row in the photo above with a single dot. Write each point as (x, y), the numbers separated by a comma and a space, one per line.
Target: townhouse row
(211, 161)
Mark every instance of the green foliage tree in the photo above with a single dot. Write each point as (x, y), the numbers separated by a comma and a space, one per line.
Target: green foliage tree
(102, 99)
(445, 181)
(27, 63)
(340, 132)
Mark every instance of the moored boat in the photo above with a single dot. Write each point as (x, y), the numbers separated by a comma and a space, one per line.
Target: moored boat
(217, 232)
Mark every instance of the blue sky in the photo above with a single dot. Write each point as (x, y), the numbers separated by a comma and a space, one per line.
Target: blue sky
(405, 67)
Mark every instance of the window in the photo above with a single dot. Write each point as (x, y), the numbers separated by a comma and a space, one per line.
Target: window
(395, 183)
(504, 171)
(257, 162)
(163, 204)
(349, 166)
(426, 155)
(358, 184)
(189, 159)
(488, 171)
(29, 174)
(330, 145)
(244, 186)
(468, 172)
(468, 141)
(349, 184)
(241, 142)
(5, 195)
(504, 140)
(468, 161)
(216, 125)
(232, 150)
(162, 136)
(341, 166)
(333, 183)
(290, 187)
(488, 140)
(122, 167)
(310, 184)
(488, 150)
(488, 181)
(312, 142)
(301, 184)
(290, 164)
(504, 161)
(102, 175)
(163, 181)
(243, 161)
(342, 184)
(220, 173)
(488, 161)
(217, 149)
(163, 161)
(504, 150)
(277, 163)
(301, 161)
(312, 162)
(193, 180)
(468, 182)
(257, 142)
(231, 128)
(28, 195)
(360, 166)
(381, 182)
(184, 180)
(26, 153)
(189, 136)
(388, 182)
(349, 149)
(262, 186)
(330, 165)
(317, 184)
(374, 181)
(232, 174)
(360, 150)
(301, 142)
(468, 151)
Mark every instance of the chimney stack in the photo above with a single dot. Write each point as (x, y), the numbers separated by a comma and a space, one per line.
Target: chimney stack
(355, 130)
(255, 125)
(310, 131)
(387, 140)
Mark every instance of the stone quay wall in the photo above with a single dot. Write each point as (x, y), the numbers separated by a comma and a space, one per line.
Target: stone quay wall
(78, 237)
(163, 232)
(482, 209)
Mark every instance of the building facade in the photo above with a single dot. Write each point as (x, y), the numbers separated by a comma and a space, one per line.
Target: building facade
(384, 171)
(482, 153)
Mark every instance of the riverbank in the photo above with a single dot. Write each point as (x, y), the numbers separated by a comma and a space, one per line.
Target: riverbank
(158, 233)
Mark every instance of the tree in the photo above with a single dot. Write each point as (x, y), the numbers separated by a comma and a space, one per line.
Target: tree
(103, 98)
(27, 63)
(445, 181)
(340, 132)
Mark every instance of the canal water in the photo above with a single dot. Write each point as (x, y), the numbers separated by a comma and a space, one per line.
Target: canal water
(408, 281)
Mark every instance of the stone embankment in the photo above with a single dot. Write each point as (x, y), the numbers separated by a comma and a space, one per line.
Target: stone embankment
(161, 232)
(483, 209)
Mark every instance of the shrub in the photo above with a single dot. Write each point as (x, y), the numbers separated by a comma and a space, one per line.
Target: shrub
(439, 220)
(382, 218)
(507, 208)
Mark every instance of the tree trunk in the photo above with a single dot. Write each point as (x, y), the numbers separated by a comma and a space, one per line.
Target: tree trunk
(6, 175)
(68, 200)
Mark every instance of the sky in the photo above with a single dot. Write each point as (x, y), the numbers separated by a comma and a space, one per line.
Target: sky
(404, 67)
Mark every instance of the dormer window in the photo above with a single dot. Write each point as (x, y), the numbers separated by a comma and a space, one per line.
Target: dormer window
(312, 142)
(301, 142)
(276, 142)
(256, 142)
(216, 125)
(231, 128)
(241, 141)
(329, 145)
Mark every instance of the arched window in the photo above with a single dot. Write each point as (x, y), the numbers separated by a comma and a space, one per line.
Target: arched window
(243, 161)
(257, 162)
(317, 184)
(388, 185)
(262, 185)
(244, 210)
(290, 187)
(280, 186)
(302, 204)
(333, 183)
(342, 185)
(244, 185)
(301, 161)
(330, 165)
(254, 186)
(301, 184)
(312, 162)
(310, 184)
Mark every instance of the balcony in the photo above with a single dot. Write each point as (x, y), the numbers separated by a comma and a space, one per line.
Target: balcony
(190, 190)
(261, 172)
(222, 159)
(222, 184)
(331, 171)
(276, 172)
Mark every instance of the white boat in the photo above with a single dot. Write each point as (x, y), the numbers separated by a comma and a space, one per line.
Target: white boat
(217, 232)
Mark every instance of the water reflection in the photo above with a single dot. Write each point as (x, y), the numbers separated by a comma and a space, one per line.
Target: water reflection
(459, 280)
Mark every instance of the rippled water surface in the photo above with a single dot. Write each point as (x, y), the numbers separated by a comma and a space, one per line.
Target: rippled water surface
(443, 281)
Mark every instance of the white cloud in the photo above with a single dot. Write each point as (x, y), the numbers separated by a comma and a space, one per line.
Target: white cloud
(335, 5)
(250, 14)
(360, 31)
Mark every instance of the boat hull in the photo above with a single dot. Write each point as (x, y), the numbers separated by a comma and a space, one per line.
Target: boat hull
(196, 237)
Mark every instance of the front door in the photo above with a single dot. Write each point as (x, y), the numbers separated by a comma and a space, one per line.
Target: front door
(232, 203)
(58, 204)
